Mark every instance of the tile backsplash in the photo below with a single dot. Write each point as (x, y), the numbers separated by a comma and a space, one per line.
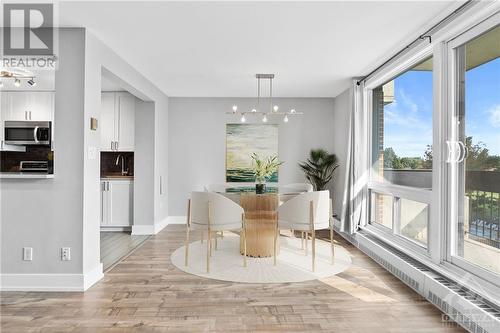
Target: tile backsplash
(9, 160)
(108, 163)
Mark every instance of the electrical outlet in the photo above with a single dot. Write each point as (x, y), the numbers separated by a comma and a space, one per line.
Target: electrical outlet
(65, 253)
(27, 253)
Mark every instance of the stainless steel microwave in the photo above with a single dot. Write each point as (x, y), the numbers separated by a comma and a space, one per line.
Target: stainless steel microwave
(27, 132)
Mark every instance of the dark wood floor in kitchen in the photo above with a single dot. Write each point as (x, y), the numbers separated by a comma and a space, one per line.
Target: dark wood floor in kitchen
(146, 293)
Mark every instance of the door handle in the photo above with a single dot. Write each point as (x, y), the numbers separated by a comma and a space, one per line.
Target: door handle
(454, 151)
(107, 186)
(112, 145)
(463, 152)
(30, 114)
(35, 134)
(116, 145)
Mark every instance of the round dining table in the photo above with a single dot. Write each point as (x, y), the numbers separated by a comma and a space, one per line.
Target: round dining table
(260, 218)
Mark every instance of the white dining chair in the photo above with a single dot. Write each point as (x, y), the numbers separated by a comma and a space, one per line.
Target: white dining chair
(307, 213)
(296, 188)
(220, 188)
(212, 212)
(289, 191)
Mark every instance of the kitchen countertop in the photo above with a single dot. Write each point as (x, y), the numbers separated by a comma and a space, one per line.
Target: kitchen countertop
(26, 175)
(117, 177)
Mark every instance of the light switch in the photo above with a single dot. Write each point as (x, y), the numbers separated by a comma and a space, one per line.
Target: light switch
(27, 253)
(65, 253)
(92, 153)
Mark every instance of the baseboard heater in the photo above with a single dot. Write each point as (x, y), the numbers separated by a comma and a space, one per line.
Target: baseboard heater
(460, 304)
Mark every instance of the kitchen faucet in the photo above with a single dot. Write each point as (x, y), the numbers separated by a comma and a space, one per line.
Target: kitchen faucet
(124, 172)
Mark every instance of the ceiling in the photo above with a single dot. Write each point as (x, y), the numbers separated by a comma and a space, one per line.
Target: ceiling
(214, 49)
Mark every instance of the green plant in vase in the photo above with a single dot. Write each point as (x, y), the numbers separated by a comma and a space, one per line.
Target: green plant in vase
(264, 169)
(319, 168)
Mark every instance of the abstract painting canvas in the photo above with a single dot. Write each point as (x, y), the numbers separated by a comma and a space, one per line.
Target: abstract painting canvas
(241, 141)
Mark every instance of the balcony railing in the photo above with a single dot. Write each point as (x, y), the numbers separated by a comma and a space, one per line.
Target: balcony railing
(483, 197)
(483, 191)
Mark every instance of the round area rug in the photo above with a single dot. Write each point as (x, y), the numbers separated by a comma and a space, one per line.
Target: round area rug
(293, 265)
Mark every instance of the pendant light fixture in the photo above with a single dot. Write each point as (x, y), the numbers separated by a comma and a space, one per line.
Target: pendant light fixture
(271, 111)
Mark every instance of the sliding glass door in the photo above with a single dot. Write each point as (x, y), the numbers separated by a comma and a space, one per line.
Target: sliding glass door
(474, 152)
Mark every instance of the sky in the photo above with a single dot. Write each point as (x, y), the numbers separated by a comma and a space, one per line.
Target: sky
(408, 120)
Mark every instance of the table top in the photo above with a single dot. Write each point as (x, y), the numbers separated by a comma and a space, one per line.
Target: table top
(250, 189)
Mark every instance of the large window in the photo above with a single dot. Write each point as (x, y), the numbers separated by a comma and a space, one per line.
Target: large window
(478, 130)
(402, 128)
(434, 151)
(401, 150)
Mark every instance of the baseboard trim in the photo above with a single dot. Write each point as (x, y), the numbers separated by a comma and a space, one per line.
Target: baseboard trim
(92, 277)
(50, 282)
(157, 227)
(177, 219)
(143, 229)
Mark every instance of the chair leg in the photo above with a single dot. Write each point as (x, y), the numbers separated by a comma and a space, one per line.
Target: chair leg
(244, 248)
(306, 237)
(209, 249)
(313, 249)
(276, 232)
(201, 236)
(331, 243)
(186, 255)
(244, 233)
(302, 240)
(215, 241)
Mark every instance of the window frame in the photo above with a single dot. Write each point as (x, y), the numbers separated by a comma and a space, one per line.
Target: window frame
(450, 214)
(411, 58)
(439, 237)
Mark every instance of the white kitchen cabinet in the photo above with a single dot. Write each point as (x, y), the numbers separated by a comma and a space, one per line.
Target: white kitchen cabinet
(117, 121)
(41, 106)
(107, 121)
(117, 203)
(28, 105)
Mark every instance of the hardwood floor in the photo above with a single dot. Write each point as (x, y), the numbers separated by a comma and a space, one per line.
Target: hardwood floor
(116, 245)
(146, 293)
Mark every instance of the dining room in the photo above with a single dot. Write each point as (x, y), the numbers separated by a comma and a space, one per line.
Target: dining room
(259, 157)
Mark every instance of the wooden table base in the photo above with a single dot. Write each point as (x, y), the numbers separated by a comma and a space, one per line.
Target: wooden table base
(260, 216)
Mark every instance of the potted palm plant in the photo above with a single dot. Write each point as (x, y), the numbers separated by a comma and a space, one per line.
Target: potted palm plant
(264, 169)
(319, 168)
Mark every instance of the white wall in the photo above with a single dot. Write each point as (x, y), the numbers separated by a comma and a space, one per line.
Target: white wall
(47, 214)
(64, 212)
(197, 140)
(101, 59)
(143, 164)
(341, 106)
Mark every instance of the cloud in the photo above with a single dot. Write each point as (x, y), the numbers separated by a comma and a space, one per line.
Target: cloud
(405, 114)
(494, 113)
(408, 101)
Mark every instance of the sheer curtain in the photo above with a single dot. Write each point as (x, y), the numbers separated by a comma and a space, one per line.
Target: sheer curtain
(354, 203)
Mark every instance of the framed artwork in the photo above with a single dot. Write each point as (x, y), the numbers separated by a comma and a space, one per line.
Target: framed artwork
(241, 141)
